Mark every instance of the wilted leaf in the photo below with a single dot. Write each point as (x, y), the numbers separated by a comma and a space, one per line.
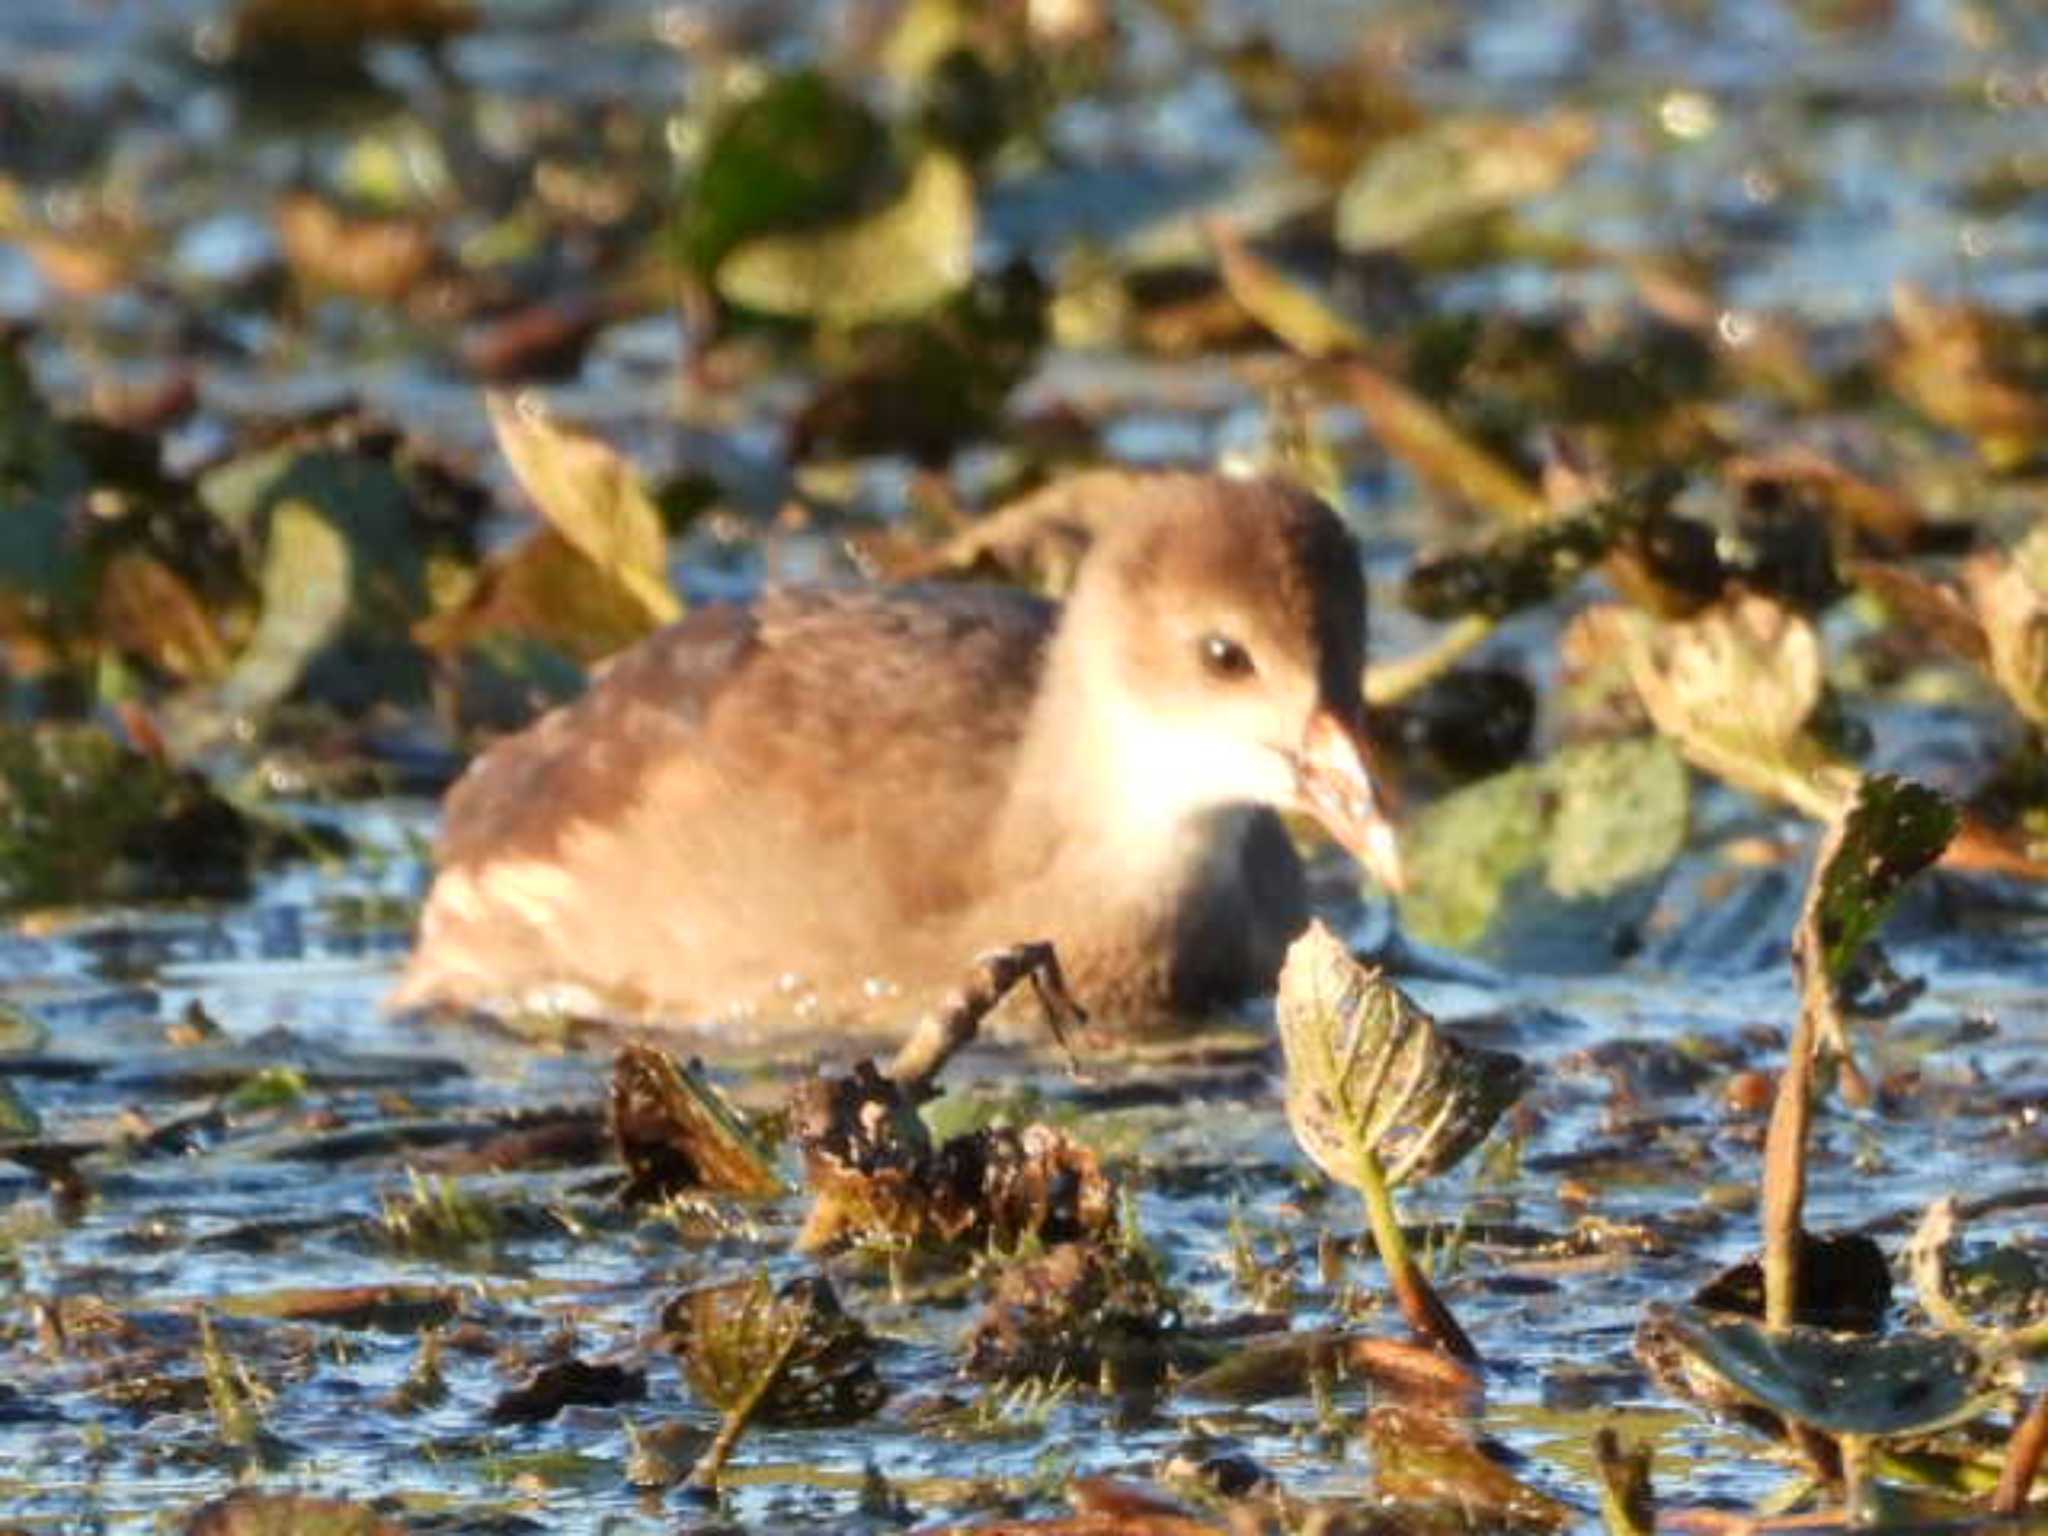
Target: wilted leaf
(545, 592)
(1079, 1309)
(2010, 595)
(1368, 1071)
(1734, 689)
(874, 1173)
(1936, 610)
(1423, 1459)
(674, 1131)
(381, 259)
(1287, 1365)
(1998, 1297)
(568, 1383)
(1906, 1383)
(308, 575)
(1290, 310)
(1946, 367)
(794, 1352)
(592, 497)
(1892, 830)
(900, 261)
(1457, 170)
(1436, 448)
(148, 610)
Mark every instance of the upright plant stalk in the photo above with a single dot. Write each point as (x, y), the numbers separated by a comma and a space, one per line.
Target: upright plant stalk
(1785, 1172)
(1420, 1305)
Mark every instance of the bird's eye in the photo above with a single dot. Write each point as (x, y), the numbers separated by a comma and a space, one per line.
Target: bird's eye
(1225, 657)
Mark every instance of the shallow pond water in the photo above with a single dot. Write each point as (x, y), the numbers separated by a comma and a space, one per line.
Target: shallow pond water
(1822, 153)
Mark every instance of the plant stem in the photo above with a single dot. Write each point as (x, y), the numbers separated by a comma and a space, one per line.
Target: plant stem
(706, 1472)
(1420, 1305)
(2022, 1460)
(1785, 1173)
(1856, 1485)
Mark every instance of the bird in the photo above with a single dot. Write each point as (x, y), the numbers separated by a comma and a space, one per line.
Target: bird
(817, 809)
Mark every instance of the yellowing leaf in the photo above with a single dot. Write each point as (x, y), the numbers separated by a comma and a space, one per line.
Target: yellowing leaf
(2011, 597)
(1456, 171)
(592, 497)
(891, 265)
(1734, 689)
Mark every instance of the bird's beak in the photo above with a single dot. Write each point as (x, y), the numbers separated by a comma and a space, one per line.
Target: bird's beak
(1334, 783)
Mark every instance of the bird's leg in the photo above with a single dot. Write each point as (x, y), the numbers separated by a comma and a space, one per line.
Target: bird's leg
(940, 1036)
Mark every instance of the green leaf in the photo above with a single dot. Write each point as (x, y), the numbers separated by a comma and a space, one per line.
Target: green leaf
(896, 263)
(1500, 859)
(800, 152)
(1734, 689)
(1456, 171)
(1893, 829)
(1369, 1072)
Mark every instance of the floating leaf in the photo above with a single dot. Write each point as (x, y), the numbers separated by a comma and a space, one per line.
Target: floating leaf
(1421, 1458)
(1906, 1383)
(1734, 688)
(1521, 568)
(896, 263)
(1368, 1071)
(674, 1131)
(1437, 449)
(1455, 171)
(308, 575)
(593, 498)
(1493, 864)
(2010, 595)
(798, 152)
(1947, 367)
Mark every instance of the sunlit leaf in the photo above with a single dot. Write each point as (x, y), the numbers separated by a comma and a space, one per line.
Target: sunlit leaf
(1424, 1459)
(891, 265)
(1436, 448)
(593, 497)
(1457, 170)
(1904, 1383)
(800, 152)
(308, 577)
(149, 610)
(1946, 366)
(674, 1131)
(1593, 821)
(1734, 689)
(795, 1352)
(2010, 594)
(1368, 1071)
(1892, 831)
(1302, 318)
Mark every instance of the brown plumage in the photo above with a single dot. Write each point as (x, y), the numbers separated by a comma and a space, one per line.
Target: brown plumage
(826, 805)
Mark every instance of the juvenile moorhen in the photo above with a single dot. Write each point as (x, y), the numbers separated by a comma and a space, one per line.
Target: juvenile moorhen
(822, 807)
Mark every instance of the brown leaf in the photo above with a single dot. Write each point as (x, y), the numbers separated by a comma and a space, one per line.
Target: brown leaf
(674, 1131)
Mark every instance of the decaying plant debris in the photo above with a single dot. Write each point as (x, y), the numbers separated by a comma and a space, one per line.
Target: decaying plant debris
(371, 371)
